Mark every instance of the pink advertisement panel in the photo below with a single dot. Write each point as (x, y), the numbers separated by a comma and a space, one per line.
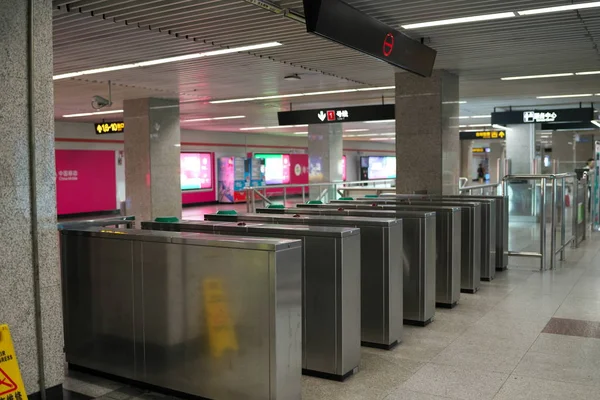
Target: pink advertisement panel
(86, 181)
(197, 178)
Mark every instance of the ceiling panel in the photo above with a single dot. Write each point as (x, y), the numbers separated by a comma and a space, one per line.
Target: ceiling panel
(98, 33)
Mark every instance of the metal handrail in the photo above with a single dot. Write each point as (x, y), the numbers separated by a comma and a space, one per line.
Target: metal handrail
(127, 221)
(261, 191)
(544, 178)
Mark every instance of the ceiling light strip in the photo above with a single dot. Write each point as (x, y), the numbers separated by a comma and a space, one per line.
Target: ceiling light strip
(570, 7)
(283, 96)
(462, 20)
(184, 57)
(92, 113)
(516, 78)
(213, 118)
(565, 96)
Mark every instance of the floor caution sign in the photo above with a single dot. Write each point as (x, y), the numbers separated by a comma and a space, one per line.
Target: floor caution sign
(11, 384)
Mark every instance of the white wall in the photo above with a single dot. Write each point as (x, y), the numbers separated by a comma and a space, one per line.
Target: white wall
(81, 136)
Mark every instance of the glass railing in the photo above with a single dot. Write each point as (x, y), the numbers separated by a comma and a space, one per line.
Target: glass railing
(544, 215)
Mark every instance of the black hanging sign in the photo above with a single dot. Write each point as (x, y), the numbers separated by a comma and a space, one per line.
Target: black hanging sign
(338, 114)
(344, 24)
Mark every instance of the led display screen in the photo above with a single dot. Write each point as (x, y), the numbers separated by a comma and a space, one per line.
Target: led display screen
(277, 168)
(375, 167)
(196, 171)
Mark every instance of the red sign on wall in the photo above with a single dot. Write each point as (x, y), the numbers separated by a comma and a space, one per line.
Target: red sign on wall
(86, 181)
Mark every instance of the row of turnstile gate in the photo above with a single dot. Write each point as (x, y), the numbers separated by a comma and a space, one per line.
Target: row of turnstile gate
(239, 305)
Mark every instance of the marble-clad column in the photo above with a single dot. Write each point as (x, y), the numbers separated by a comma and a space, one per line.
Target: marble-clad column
(520, 148)
(17, 272)
(427, 133)
(152, 163)
(325, 152)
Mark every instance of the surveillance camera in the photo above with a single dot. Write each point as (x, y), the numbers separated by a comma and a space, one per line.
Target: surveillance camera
(99, 102)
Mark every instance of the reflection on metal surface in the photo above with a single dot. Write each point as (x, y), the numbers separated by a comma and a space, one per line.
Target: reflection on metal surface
(221, 333)
(419, 250)
(331, 286)
(134, 307)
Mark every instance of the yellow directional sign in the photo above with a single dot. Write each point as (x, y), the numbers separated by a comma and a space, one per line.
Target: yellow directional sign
(110, 127)
(11, 384)
(221, 332)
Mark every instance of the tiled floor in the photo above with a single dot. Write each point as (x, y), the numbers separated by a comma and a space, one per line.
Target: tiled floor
(501, 343)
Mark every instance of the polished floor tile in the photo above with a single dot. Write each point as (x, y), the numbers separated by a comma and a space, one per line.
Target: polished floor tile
(524, 388)
(456, 382)
(562, 358)
(579, 308)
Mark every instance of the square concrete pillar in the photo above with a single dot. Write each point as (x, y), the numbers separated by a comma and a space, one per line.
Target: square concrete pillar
(427, 133)
(152, 158)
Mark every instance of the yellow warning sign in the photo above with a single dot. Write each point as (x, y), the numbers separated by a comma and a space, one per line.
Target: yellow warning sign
(11, 384)
(221, 333)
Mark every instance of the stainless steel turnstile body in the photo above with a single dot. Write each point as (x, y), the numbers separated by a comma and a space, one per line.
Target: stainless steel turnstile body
(488, 229)
(331, 289)
(501, 228)
(449, 232)
(470, 238)
(211, 316)
(419, 250)
(381, 270)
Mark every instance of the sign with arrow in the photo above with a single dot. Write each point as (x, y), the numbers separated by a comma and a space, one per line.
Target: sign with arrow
(488, 135)
(559, 116)
(339, 114)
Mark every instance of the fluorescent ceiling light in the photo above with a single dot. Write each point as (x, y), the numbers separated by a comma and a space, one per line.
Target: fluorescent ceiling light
(184, 57)
(588, 73)
(383, 139)
(92, 113)
(496, 126)
(482, 116)
(454, 102)
(597, 123)
(262, 128)
(300, 133)
(473, 125)
(569, 7)
(565, 96)
(453, 21)
(356, 130)
(283, 96)
(376, 88)
(516, 78)
(214, 118)
(380, 121)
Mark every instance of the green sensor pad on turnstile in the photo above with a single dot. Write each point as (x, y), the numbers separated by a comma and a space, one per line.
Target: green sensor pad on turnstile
(279, 206)
(227, 212)
(346, 198)
(315, 202)
(166, 219)
(371, 196)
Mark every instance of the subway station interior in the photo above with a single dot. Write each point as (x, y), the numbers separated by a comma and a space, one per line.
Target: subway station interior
(299, 199)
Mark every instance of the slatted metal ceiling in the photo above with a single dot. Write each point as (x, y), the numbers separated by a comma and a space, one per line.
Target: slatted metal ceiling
(96, 33)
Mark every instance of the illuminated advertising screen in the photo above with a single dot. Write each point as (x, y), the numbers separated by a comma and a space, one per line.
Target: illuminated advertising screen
(380, 167)
(277, 168)
(196, 171)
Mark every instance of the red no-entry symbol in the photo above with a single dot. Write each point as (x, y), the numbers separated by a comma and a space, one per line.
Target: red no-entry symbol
(388, 45)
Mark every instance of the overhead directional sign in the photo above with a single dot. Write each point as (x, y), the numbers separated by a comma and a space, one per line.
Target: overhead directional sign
(338, 114)
(475, 135)
(543, 116)
(109, 127)
(344, 24)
